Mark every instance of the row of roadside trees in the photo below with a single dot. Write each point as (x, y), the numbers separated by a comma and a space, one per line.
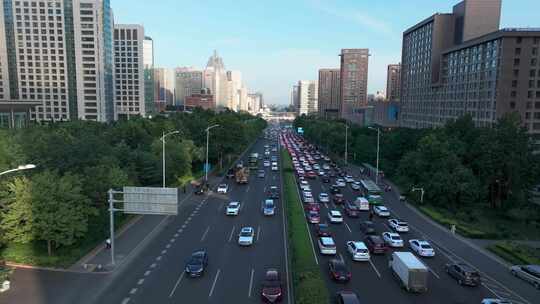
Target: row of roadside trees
(61, 205)
(467, 172)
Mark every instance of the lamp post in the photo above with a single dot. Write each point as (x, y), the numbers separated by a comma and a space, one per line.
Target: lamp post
(163, 154)
(207, 144)
(378, 140)
(19, 168)
(421, 193)
(346, 142)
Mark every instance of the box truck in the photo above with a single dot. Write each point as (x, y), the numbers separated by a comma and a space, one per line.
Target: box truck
(410, 271)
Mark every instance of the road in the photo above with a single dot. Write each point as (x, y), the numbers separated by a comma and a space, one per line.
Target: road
(234, 273)
(373, 281)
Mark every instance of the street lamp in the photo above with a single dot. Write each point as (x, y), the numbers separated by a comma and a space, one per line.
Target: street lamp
(378, 137)
(207, 142)
(19, 168)
(346, 142)
(421, 193)
(163, 154)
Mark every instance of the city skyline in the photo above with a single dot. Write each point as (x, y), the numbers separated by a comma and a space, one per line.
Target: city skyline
(290, 39)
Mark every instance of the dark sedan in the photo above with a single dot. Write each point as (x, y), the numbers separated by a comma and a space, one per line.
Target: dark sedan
(196, 264)
(352, 210)
(338, 271)
(323, 230)
(271, 291)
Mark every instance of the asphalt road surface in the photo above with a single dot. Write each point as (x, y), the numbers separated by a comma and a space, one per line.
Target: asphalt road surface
(234, 273)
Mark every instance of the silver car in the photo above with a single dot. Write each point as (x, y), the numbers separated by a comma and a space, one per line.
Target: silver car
(529, 273)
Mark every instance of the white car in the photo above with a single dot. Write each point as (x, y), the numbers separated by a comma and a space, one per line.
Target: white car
(233, 208)
(269, 208)
(327, 245)
(358, 251)
(324, 198)
(321, 173)
(334, 216)
(266, 163)
(326, 167)
(340, 183)
(304, 185)
(223, 188)
(398, 225)
(274, 168)
(316, 167)
(307, 194)
(349, 179)
(392, 239)
(355, 186)
(422, 248)
(245, 238)
(381, 211)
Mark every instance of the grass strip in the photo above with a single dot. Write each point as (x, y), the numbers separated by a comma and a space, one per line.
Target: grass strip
(515, 253)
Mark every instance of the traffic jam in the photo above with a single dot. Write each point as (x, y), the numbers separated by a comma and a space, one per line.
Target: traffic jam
(358, 241)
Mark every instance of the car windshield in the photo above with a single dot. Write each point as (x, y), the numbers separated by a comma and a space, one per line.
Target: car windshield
(403, 224)
(269, 205)
(426, 246)
(395, 237)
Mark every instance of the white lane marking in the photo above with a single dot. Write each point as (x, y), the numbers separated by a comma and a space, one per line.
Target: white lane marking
(140, 282)
(375, 268)
(177, 283)
(247, 189)
(188, 219)
(125, 300)
(133, 291)
(326, 205)
(179, 230)
(258, 233)
(184, 226)
(158, 258)
(176, 235)
(220, 207)
(230, 235)
(251, 282)
(346, 225)
(434, 273)
(341, 257)
(204, 234)
(163, 251)
(173, 240)
(147, 273)
(153, 265)
(214, 284)
(168, 246)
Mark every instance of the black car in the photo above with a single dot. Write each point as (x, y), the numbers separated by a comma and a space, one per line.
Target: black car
(323, 230)
(463, 273)
(347, 297)
(332, 174)
(196, 264)
(367, 227)
(334, 189)
(325, 179)
(338, 270)
(273, 192)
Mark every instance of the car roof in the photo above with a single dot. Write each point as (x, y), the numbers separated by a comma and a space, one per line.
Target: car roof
(392, 233)
(326, 240)
(247, 229)
(381, 207)
(359, 244)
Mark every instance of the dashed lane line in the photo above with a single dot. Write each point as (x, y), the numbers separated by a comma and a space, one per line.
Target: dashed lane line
(251, 282)
(205, 233)
(177, 283)
(214, 284)
(125, 300)
(349, 228)
(140, 282)
(375, 268)
(231, 235)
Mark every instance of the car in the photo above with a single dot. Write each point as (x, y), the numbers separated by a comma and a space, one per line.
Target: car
(495, 301)
(422, 248)
(358, 251)
(347, 297)
(307, 194)
(266, 163)
(375, 244)
(273, 192)
(398, 225)
(349, 179)
(316, 167)
(196, 264)
(327, 245)
(275, 168)
(392, 239)
(311, 175)
(338, 198)
(381, 211)
(324, 198)
(271, 289)
(223, 188)
(352, 210)
(356, 186)
(463, 273)
(321, 173)
(326, 167)
(340, 183)
(332, 174)
(233, 208)
(529, 273)
(245, 238)
(325, 179)
(304, 186)
(273, 158)
(338, 271)
(367, 227)
(323, 230)
(260, 173)
(313, 217)
(334, 189)
(335, 217)
(312, 207)
(266, 152)
(269, 208)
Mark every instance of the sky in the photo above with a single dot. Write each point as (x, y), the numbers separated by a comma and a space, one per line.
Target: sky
(276, 43)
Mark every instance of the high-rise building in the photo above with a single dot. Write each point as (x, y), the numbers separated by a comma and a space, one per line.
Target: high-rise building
(148, 59)
(188, 81)
(353, 83)
(129, 89)
(307, 95)
(255, 103)
(393, 82)
(295, 98)
(329, 93)
(234, 79)
(164, 82)
(58, 55)
(461, 63)
(202, 99)
(215, 78)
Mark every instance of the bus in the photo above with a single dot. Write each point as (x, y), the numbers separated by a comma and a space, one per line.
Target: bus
(370, 188)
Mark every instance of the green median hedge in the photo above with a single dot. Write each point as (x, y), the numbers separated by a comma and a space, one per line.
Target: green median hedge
(516, 253)
(309, 286)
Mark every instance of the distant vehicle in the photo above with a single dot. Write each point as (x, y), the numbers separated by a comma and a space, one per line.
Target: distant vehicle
(529, 273)
(338, 198)
(327, 245)
(230, 173)
(381, 211)
(347, 297)
(304, 185)
(338, 271)
(325, 179)
(273, 192)
(313, 217)
(260, 173)
(223, 188)
(422, 248)
(311, 175)
(392, 239)
(398, 225)
(334, 189)
(273, 158)
(326, 167)
(355, 186)
(463, 273)
(323, 230)
(358, 251)
(362, 203)
(340, 183)
(312, 207)
(266, 163)
(196, 264)
(242, 175)
(367, 227)
(335, 217)
(321, 173)
(352, 210)
(375, 244)
(233, 208)
(275, 168)
(412, 273)
(324, 198)
(268, 207)
(349, 179)
(271, 290)
(245, 238)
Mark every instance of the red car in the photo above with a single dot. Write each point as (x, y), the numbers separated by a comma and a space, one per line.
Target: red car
(271, 291)
(338, 271)
(311, 174)
(312, 207)
(314, 217)
(338, 198)
(375, 244)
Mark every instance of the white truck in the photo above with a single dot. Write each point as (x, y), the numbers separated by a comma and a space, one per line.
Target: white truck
(410, 271)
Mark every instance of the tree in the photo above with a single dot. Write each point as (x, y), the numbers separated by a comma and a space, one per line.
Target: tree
(18, 219)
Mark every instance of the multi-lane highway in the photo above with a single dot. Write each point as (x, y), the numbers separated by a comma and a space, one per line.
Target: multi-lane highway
(373, 281)
(234, 273)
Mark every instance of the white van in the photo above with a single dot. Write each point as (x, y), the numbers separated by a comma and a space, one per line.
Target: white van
(362, 203)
